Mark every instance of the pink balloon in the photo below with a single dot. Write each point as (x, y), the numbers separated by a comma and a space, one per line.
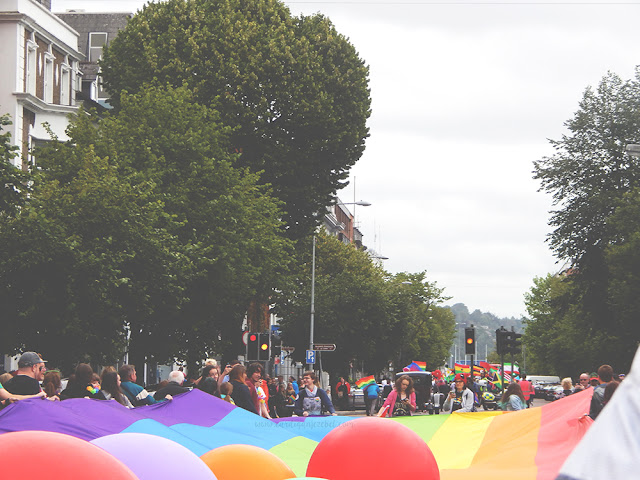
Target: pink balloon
(151, 457)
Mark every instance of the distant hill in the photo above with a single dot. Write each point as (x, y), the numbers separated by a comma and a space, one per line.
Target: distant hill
(486, 325)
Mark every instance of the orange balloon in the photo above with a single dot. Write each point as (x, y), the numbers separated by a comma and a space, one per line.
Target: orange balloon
(240, 462)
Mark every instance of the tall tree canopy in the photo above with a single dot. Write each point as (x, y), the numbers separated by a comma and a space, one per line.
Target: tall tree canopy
(591, 170)
(142, 223)
(14, 183)
(592, 309)
(293, 89)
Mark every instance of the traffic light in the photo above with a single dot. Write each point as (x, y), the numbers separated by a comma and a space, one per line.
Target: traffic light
(470, 341)
(252, 346)
(501, 341)
(264, 347)
(512, 342)
(276, 344)
(516, 343)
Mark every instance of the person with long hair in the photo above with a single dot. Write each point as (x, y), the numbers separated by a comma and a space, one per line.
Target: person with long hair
(52, 383)
(513, 398)
(110, 388)
(79, 385)
(226, 389)
(312, 400)
(240, 394)
(402, 399)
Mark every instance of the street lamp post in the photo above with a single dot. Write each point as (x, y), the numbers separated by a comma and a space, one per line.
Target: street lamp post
(313, 284)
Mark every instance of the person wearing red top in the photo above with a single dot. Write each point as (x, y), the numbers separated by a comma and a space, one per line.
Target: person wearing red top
(527, 390)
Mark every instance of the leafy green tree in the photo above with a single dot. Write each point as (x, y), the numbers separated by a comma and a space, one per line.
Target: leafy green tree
(590, 170)
(423, 330)
(14, 182)
(143, 226)
(350, 305)
(587, 175)
(293, 89)
(373, 318)
(623, 261)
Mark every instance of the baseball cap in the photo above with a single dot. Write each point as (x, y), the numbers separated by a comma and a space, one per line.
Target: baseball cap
(28, 359)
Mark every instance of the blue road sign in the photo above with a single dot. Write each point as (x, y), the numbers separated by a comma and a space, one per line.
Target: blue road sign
(311, 356)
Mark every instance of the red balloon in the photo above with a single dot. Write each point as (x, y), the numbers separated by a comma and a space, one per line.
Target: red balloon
(356, 449)
(55, 456)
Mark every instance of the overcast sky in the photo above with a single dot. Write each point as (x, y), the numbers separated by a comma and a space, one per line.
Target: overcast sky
(464, 98)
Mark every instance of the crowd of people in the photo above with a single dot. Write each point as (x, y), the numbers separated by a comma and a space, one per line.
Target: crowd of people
(250, 388)
(247, 387)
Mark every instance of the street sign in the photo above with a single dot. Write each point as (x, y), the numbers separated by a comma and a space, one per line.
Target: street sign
(245, 337)
(288, 349)
(311, 357)
(324, 347)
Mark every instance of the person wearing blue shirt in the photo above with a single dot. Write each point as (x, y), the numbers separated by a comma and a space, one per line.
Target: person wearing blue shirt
(371, 393)
(293, 382)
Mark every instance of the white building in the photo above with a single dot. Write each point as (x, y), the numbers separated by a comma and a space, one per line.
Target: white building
(39, 76)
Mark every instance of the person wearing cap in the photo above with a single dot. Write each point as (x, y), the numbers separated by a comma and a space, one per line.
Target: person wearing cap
(31, 371)
(460, 399)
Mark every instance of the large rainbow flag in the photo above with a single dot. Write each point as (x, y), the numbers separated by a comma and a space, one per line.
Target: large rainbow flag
(530, 444)
(365, 381)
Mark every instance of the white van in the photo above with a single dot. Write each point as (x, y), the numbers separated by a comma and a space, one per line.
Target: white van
(543, 379)
(539, 383)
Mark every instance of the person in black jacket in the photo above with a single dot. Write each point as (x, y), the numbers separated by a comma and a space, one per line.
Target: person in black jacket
(241, 395)
(80, 386)
(174, 387)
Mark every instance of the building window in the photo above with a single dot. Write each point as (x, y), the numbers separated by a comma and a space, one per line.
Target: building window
(65, 84)
(32, 55)
(48, 77)
(97, 40)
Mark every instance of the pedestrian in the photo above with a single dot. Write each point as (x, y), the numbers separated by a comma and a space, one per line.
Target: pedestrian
(567, 386)
(312, 400)
(226, 389)
(342, 391)
(527, 389)
(605, 375)
(240, 394)
(79, 386)
(583, 383)
(52, 383)
(110, 388)
(31, 370)
(402, 399)
(175, 386)
(371, 393)
(460, 398)
(513, 398)
(137, 395)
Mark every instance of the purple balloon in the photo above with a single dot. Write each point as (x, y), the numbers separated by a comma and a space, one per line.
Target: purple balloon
(151, 457)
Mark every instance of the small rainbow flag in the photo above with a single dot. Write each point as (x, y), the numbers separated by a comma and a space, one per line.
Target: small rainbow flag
(365, 381)
(421, 365)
